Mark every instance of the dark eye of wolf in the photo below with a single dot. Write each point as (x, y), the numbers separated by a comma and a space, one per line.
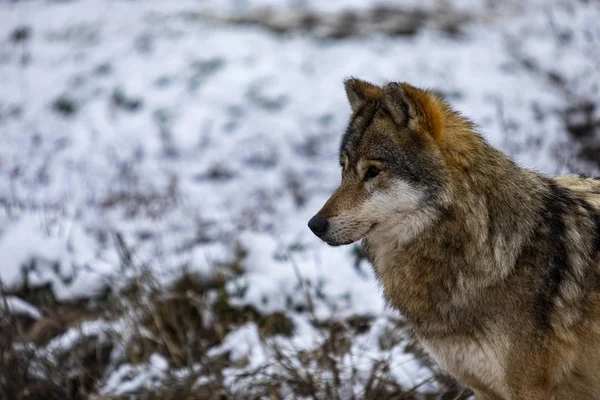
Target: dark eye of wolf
(371, 173)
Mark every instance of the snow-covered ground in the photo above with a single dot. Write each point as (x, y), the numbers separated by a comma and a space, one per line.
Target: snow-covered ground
(150, 126)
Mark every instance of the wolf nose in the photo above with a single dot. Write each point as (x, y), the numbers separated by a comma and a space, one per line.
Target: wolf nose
(318, 225)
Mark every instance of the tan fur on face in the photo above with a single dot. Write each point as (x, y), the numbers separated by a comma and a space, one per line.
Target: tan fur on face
(346, 225)
(353, 212)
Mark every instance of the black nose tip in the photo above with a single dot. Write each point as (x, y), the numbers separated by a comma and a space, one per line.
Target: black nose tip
(318, 225)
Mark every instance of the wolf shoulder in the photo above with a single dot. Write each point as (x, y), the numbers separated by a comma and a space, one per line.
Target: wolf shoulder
(584, 187)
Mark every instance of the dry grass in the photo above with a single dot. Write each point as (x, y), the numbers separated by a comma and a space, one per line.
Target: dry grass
(27, 371)
(182, 322)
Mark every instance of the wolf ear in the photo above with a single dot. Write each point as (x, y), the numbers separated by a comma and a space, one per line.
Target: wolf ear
(359, 92)
(418, 110)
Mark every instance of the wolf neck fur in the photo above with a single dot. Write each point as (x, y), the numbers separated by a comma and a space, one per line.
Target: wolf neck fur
(463, 246)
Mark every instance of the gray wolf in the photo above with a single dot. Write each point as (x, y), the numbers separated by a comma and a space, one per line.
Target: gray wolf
(496, 267)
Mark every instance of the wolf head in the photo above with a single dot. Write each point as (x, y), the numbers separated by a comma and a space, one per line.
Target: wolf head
(393, 160)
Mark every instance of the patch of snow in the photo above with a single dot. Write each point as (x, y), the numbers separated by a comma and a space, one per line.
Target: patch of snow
(65, 341)
(36, 253)
(18, 306)
(159, 362)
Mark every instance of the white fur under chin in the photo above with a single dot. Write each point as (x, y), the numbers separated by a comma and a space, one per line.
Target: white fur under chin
(400, 213)
(400, 230)
(399, 198)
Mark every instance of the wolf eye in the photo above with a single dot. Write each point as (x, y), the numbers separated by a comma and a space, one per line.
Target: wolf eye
(371, 173)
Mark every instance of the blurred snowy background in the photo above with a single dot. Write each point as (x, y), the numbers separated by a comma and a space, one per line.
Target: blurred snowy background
(159, 161)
